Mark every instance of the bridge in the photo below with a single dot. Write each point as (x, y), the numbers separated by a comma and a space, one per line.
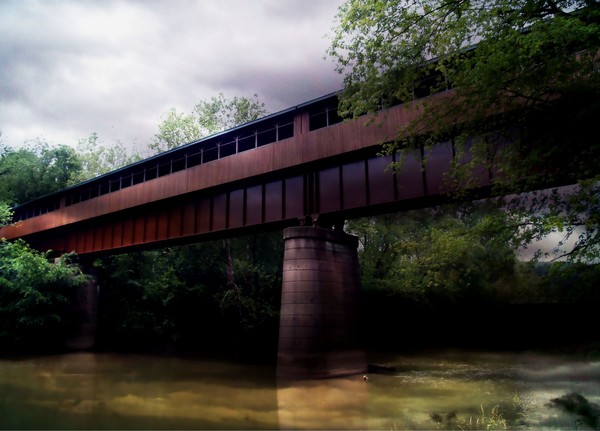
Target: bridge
(302, 170)
(266, 174)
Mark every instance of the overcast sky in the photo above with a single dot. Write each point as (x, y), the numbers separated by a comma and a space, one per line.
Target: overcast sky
(69, 68)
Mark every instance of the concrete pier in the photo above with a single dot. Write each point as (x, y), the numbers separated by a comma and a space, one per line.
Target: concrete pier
(84, 335)
(318, 329)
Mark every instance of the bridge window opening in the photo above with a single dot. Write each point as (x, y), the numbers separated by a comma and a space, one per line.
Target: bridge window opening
(194, 159)
(151, 173)
(246, 143)
(115, 185)
(285, 131)
(227, 149)
(164, 169)
(104, 188)
(325, 117)
(210, 154)
(138, 177)
(317, 121)
(94, 191)
(84, 195)
(126, 181)
(75, 197)
(432, 81)
(266, 137)
(333, 116)
(29, 211)
(178, 164)
(53, 205)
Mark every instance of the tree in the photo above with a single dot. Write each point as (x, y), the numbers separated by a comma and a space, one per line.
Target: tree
(207, 117)
(36, 170)
(5, 214)
(218, 294)
(97, 158)
(441, 255)
(523, 94)
(37, 297)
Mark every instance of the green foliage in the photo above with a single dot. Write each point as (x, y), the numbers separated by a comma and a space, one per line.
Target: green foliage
(208, 117)
(251, 296)
(524, 101)
(219, 294)
(5, 214)
(136, 292)
(36, 170)
(175, 129)
(442, 256)
(525, 49)
(36, 296)
(570, 283)
(98, 158)
(572, 213)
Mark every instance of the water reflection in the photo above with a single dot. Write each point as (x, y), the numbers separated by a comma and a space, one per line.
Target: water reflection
(88, 391)
(442, 390)
(339, 403)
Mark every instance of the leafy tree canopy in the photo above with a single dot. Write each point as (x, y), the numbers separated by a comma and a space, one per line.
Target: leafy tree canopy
(5, 214)
(37, 296)
(36, 170)
(97, 158)
(207, 117)
(519, 72)
(444, 254)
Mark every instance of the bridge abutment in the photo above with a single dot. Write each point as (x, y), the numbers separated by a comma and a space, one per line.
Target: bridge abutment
(319, 322)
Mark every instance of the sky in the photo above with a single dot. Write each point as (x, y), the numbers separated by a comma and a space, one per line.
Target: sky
(70, 68)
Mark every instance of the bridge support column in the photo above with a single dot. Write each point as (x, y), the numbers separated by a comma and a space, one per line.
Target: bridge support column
(84, 335)
(318, 329)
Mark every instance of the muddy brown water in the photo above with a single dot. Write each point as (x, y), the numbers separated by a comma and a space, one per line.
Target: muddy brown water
(430, 390)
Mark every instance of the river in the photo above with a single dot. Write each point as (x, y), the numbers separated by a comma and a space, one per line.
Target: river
(426, 390)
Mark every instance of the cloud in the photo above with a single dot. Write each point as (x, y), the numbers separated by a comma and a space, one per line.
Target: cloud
(70, 68)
